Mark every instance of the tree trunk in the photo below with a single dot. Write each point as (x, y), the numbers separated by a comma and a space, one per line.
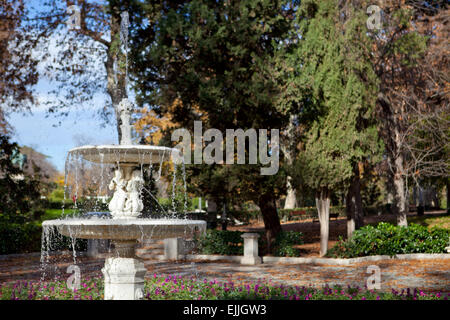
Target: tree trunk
(224, 218)
(323, 210)
(116, 78)
(419, 200)
(266, 203)
(392, 135)
(448, 196)
(401, 200)
(288, 147)
(291, 197)
(353, 204)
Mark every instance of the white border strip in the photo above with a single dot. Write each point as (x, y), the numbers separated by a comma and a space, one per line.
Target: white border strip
(299, 260)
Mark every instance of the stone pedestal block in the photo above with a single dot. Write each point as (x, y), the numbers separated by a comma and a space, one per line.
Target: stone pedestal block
(124, 279)
(173, 248)
(251, 256)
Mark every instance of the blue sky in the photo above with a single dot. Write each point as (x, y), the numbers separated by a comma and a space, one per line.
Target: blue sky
(47, 136)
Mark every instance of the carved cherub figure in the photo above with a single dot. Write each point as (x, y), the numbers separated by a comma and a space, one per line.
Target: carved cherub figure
(134, 203)
(118, 183)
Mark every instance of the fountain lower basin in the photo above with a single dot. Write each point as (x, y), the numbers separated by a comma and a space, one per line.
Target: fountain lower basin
(124, 273)
(127, 229)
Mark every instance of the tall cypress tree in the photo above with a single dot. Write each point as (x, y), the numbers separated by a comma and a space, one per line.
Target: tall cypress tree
(340, 87)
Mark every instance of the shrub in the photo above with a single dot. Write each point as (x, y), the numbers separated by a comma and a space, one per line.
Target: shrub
(387, 239)
(26, 237)
(19, 237)
(231, 243)
(283, 246)
(221, 242)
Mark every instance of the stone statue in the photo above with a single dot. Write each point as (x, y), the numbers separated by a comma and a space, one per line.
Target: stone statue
(125, 108)
(118, 183)
(134, 204)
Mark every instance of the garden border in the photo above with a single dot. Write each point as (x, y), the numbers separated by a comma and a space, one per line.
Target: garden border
(321, 261)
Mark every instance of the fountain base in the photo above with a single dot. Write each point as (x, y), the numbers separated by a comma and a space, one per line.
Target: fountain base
(124, 274)
(123, 271)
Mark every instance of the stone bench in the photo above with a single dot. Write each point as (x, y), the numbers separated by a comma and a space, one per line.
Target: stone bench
(296, 213)
(332, 215)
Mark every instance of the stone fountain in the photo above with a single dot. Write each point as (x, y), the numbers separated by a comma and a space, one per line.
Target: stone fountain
(123, 271)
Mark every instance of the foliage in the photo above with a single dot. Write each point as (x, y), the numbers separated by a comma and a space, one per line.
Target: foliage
(411, 61)
(222, 242)
(19, 193)
(223, 83)
(184, 288)
(20, 237)
(56, 195)
(283, 246)
(226, 242)
(340, 87)
(387, 239)
(15, 82)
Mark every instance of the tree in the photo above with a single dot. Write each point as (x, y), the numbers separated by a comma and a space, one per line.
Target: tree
(412, 106)
(210, 56)
(19, 193)
(339, 86)
(17, 67)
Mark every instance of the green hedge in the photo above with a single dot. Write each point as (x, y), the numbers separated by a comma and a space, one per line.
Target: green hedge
(387, 239)
(222, 242)
(283, 246)
(226, 242)
(20, 238)
(26, 237)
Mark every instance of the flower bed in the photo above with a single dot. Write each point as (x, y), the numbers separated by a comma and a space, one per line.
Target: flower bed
(179, 288)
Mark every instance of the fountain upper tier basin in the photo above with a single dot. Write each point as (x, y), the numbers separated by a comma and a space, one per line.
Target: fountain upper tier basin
(127, 229)
(125, 154)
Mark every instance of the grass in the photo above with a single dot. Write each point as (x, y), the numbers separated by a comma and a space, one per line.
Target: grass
(430, 221)
(179, 288)
(55, 213)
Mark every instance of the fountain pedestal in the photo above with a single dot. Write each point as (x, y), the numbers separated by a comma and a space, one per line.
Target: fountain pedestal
(124, 273)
